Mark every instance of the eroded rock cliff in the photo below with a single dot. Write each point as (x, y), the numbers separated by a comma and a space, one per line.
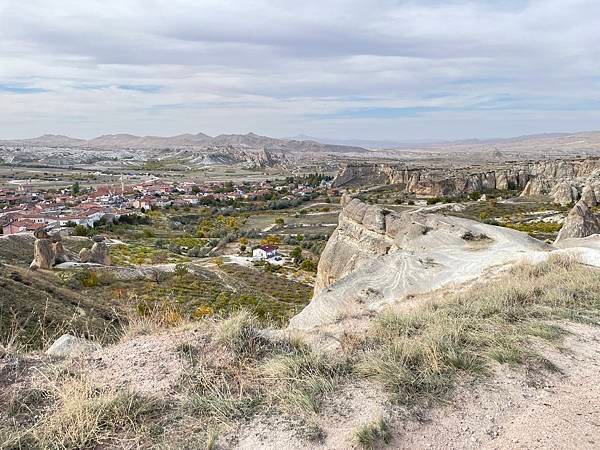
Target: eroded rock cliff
(376, 256)
(535, 178)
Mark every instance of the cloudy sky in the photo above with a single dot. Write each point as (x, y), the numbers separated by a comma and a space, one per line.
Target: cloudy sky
(372, 69)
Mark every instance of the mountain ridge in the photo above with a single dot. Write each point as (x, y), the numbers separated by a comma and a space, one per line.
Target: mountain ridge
(242, 141)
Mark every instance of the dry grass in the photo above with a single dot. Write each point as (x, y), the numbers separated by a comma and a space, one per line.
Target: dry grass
(371, 435)
(263, 372)
(222, 397)
(243, 335)
(303, 377)
(146, 318)
(420, 355)
(75, 414)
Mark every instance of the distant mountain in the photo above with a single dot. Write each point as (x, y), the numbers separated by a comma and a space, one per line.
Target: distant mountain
(131, 141)
(365, 143)
(250, 141)
(53, 140)
(546, 138)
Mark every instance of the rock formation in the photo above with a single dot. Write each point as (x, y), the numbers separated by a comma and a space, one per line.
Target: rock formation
(43, 251)
(99, 252)
(376, 256)
(535, 178)
(564, 193)
(85, 255)
(68, 346)
(588, 196)
(49, 251)
(60, 254)
(579, 223)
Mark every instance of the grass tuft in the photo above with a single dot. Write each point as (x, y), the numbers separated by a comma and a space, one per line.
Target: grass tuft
(302, 378)
(242, 334)
(369, 436)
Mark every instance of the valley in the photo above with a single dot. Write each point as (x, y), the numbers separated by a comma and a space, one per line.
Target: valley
(271, 276)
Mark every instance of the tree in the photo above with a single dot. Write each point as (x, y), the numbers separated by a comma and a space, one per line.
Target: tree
(279, 221)
(75, 189)
(195, 190)
(271, 239)
(296, 254)
(310, 265)
(80, 230)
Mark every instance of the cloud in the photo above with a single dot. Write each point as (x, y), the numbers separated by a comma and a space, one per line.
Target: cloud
(148, 88)
(13, 89)
(400, 69)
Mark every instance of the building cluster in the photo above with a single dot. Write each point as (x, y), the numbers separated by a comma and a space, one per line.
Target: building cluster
(26, 209)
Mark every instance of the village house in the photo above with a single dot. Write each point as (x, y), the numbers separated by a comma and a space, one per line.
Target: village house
(264, 252)
(145, 203)
(20, 226)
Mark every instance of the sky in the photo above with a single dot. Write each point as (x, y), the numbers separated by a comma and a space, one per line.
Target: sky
(374, 69)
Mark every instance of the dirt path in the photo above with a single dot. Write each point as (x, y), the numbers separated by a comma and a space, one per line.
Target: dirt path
(522, 410)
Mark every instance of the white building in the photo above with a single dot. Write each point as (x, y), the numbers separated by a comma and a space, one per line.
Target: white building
(264, 252)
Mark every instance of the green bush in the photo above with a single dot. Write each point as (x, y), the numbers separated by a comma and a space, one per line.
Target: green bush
(81, 230)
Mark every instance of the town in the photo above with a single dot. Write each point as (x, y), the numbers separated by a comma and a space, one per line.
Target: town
(25, 208)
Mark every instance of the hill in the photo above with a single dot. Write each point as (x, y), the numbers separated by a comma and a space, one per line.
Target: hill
(200, 140)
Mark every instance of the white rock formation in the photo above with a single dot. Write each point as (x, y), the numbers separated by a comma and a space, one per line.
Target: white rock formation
(579, 223)
(564, 193)
(376, 257)
(588, 196)
(69, 346)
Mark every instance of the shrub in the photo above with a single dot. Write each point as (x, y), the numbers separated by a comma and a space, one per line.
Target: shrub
(219, 262)
(475, 195)
(203, 311)
(181, 270)
(81, 230)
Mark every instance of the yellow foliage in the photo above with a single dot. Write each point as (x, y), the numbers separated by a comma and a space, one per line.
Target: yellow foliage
(203, 311)
(271, 239)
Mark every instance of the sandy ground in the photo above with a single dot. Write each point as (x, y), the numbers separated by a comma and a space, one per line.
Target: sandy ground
(521, 409)
(516, 408)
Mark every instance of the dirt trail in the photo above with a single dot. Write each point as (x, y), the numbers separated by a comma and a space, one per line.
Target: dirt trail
(522, 410)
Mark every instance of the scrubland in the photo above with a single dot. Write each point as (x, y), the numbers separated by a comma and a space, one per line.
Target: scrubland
(231, 374)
